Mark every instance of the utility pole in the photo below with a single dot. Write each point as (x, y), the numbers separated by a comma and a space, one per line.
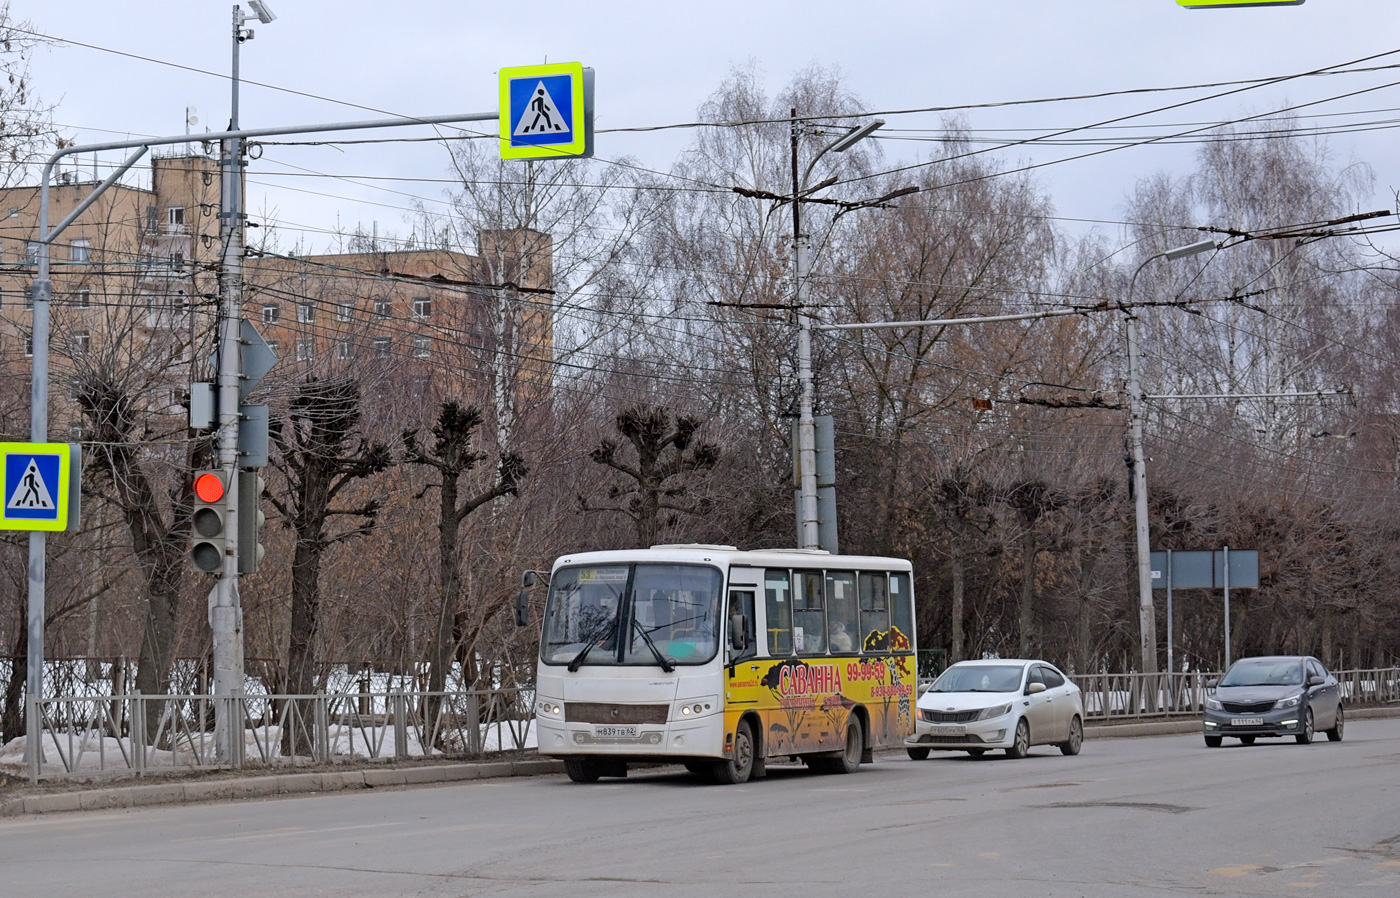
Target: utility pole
(808, 524)
(1147, 615)
(225, 605)
(809, 529)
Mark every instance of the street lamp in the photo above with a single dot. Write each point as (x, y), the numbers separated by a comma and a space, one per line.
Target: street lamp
(809, 536)
(1147, 619)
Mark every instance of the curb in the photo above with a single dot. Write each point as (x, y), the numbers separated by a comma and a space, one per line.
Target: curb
(1193, 725)
(264, 786)
(247, 787)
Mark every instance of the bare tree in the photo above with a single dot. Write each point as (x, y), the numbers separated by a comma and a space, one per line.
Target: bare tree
(321, 458)
(663, 453)
(452, 456)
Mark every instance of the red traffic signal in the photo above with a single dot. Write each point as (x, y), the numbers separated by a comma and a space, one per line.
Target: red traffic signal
(209, 487)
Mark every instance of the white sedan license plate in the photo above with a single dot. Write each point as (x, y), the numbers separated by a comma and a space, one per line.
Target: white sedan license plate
(948, 731)
(615, 732)
(1246, 721)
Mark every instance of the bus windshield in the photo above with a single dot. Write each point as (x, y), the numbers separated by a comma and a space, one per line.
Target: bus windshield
(665, 612)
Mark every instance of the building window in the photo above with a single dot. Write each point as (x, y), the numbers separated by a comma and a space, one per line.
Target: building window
(381, 308)
(75, 431)
(343, 350)
(271, 312)
(304, 350)
(421, 347)
(80, 251)
(81, 341)
(382, 346)
(344, 311)
(175, 216)
(422, 307)
(28, 300)
(28, 345)
(82, 299)
(272, 345)
(306, 313)
(31, 252)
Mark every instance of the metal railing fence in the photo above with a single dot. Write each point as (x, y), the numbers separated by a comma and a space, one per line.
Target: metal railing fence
(1137, 696)
(135, 734)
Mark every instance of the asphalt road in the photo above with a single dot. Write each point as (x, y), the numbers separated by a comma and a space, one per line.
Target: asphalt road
(1128, 817)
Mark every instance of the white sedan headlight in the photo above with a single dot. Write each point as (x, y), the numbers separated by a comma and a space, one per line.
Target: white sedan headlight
(990, 713)
(1290, 702)
(1214, 704)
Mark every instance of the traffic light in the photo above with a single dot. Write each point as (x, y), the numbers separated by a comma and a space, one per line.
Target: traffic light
(250, 520)
(210, 537)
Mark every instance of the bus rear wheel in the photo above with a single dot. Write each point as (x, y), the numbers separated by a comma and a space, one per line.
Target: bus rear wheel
(737, 769)
(582, 770)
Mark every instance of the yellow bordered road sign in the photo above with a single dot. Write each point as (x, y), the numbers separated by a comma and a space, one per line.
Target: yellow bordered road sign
(1223, 4)
(37, 481)
(542, 111)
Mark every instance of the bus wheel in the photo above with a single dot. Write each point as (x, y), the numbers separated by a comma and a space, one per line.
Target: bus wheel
(849, 762)
(582, 770)
(737, 770)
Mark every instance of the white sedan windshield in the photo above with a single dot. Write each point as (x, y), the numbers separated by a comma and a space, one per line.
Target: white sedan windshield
(980, 678)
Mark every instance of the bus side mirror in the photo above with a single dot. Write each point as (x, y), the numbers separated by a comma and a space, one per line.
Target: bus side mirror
(738, 633)
(522, 607)
(527, 579)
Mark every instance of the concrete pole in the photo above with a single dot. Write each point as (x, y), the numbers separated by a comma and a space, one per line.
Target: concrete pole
(1147, 617)
(225, 606)
(808, 529)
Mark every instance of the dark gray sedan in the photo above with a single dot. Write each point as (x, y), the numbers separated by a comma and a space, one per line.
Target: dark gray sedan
(1282, 695)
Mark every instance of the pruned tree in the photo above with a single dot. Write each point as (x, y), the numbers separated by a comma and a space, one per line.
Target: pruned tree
(664, 454)
(453, 456)
(321, 457)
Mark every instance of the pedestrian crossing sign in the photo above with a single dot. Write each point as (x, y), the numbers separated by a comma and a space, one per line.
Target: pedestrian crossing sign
(542, 111)
(37, 479)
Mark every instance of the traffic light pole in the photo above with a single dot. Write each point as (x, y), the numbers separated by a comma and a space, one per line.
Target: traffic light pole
(228, 341)
(225, 605)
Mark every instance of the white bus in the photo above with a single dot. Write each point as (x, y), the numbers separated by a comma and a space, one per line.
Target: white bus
(655, 654)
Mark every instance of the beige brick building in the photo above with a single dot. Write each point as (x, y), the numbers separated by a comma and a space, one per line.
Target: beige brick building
(140, 268)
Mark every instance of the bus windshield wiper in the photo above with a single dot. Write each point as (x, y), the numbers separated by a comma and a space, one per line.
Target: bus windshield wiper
(591, 639)
(666, 665)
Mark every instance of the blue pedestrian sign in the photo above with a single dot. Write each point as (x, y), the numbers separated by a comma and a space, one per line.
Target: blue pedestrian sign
(542, 111)
(37, 486)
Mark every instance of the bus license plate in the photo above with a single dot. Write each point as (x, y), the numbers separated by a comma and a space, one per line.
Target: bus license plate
(948, 731)
(1246, 721)
(615, 732)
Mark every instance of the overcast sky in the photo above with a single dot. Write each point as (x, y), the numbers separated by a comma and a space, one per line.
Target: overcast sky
(349, 60)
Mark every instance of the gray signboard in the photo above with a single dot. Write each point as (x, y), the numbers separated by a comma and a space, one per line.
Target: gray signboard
(1206, 570)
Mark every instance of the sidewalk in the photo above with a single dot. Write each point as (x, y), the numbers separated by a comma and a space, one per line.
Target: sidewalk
(60, 795)
(70, 795)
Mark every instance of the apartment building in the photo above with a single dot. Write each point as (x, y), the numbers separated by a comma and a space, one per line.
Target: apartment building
(139, 268)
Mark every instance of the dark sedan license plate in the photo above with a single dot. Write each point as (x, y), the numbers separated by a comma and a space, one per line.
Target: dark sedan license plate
(1246, 721)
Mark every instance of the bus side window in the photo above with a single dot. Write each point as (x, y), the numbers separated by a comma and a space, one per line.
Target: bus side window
(874, 609)
(902, 610)
(841, 611)
(777, 596)
(808, 617)
(741, 603)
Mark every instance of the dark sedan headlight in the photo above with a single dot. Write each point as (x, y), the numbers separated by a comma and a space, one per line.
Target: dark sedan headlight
(1290, 702)
(990, 713)
(1213, 704)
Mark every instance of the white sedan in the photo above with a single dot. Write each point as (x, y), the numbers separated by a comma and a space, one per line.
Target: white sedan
(976, 706)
